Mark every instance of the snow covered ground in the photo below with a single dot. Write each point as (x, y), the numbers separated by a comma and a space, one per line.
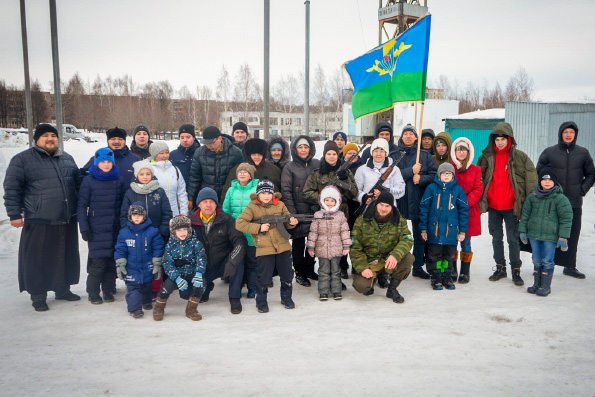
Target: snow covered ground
(484, 338)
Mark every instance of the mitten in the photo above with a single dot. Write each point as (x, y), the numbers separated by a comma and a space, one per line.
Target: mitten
(524, 238)
(562, 244)
(121, 268)
(182, 284)
(197, 280)
(461, 236)
(342, 175)
(87, 235)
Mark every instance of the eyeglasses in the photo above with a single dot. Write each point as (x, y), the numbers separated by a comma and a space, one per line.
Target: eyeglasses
(243, 173)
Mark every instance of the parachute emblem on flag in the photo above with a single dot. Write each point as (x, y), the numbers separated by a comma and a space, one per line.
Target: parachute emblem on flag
(389, 58)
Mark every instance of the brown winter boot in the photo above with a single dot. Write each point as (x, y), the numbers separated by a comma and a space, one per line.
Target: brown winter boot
(191, 312)
(159, 309)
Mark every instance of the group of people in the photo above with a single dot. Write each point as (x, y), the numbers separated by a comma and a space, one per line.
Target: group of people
(245, 209)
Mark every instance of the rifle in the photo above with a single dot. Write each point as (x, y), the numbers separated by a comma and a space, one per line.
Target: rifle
(278, 221)
(335, 181)
(378, 185)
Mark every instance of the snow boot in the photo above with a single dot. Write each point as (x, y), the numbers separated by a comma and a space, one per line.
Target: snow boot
(419, 272)
(159, 309)
(39, 302)
(369, 292)
(286, 290)
(67, 296)
(251, 293)
(516, 276)
(108, 296)
(436, 280)
(323, 297)
(447, 282)
(138, 313)
(205, 296)
(572, 272)
(261, 300)
(499, 273)
(465, 265)
(536, 277)
(236, 305)
(546, 282)
(302, 280)
(95, 299)
(337, 296)
(383, 280)
(455, 272)
(191, 311)
(392, 292)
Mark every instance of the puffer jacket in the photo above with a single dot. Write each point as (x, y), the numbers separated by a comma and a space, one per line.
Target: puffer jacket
(100, 200)
(236, 199)
(470, 180)
(42, 188)
(285, 155)
(124, 159)
(371, 243)
(328, 238)
(573, 165)
(184, 257)
(367, 176)
(547, 218)
(409, 204)
(271, 242)
(445, 136)
(182, 159)
(172, 182)
(210, 169)
(521, 171)
(140, 152)
(156, 204)
(393, 150)
(139, 244)
(293, 178)
(444, 212)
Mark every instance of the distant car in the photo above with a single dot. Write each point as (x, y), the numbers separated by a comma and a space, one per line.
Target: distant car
(9, 131)
(70, 132)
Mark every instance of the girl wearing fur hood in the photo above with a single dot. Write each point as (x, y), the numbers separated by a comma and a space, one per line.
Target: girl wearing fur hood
(329, 240)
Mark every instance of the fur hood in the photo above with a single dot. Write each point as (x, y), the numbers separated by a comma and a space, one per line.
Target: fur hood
(453, 157)
(333, 192)
(285, 156)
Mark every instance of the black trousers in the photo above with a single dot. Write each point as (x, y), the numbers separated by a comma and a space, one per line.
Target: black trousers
(303, 263)
(437, 252)
(101, 275)
(170, 286)
(568, 258)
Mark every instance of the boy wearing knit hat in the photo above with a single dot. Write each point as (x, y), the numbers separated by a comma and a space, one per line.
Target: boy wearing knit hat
(546, 224)
(272, 249)
(444, 215)
(141, 141)
(340, 138)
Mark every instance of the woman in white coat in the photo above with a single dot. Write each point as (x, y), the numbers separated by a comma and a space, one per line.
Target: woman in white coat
(170, 178)
(368, 174)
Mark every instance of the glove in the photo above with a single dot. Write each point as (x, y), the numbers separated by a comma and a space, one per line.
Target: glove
(562, 244)
(87, 235)
(197, 280)
(157, 268)
(182, 284)
(461, 236)
(189, 204)
(121, 268)
(342, 175)
(525, 239)
(424, 235)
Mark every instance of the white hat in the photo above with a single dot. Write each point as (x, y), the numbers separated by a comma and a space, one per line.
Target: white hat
(379, 143)
(332, 192)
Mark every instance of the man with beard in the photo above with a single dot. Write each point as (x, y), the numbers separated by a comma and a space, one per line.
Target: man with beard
(41, 186)
(381, 245)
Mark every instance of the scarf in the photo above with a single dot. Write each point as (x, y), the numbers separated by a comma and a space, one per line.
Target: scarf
(144, 188)
(100, 175)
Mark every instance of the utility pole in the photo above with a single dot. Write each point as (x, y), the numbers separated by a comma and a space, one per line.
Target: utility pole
(56, 62)
(26, 67)
(267, 16)
(307, 73)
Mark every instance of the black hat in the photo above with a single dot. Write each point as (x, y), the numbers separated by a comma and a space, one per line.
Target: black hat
(187, 129)
(116, 133)
(411, 128)
(240, 126)
(330, 145)
(387, 198)
(141, 127)
(210, 135)
(42, 129)
(548, 172)
(427, 132)
(265, 186)
(255, 145)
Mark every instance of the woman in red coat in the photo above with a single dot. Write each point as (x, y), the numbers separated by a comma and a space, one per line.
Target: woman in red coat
(469, 178)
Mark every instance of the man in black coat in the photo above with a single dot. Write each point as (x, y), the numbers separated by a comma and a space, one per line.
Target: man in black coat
(183, 155)
(576, 174)
(40, 195)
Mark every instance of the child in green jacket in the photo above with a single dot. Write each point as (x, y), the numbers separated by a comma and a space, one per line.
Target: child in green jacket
(546, 224)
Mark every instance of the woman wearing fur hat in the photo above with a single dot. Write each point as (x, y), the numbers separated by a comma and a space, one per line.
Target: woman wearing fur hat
(170, 178)
(236, 199)
(329, 240)
(469, 178)
(278, 152)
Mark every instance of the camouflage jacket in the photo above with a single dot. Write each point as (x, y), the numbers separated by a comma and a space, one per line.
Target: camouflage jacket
(371, 243)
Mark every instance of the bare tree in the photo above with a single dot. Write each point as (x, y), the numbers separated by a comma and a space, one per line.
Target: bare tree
(320, 88)
(246, 90)
(223, 91)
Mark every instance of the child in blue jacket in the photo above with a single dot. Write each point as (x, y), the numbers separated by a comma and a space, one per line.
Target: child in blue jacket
(444, 217)
(139, 252)
(100, 198)
(185, 262)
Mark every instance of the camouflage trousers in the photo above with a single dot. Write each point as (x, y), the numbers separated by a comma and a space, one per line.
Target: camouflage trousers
(400, 272)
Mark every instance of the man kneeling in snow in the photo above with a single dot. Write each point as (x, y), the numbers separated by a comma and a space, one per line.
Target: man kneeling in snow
(381, 245)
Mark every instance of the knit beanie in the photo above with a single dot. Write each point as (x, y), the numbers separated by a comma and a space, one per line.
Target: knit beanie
(249, 168)
(548, 172)
(156, 148)
(179, 222)
(103, 154)
(42, 129)
(140, 165)
(207, 193)
(427, 132)
(187, 129)
(440, 140)
(341, 134)
(463, 144)
(446, 167)
(265, 186)
(379, 143)
(387, 198)
(240, 126)
(411, 128)
(302, 141)
(139, 128)
(330, 145)
(115, 133)
(348, 147)
(276, 145)
(137, 208)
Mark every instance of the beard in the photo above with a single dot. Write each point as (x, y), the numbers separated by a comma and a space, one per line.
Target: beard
(383, 218)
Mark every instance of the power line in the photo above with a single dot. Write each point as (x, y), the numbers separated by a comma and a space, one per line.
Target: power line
(361, 24)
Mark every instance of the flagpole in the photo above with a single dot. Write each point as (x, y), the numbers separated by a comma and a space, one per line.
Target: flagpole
(421, 118)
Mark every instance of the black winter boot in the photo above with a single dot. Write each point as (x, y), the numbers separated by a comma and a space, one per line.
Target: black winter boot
(67, 296)
(536, 279)
(286, 290)
(436, 280)
(546, 282)
(419, 272)
(39, 302)
(447, 282)
(499, 273)
(516, 276)
(261, 300)
(465, 266)
(383, 280)
(392, 292)
(95, 299)
(205, 296)
(236, 305)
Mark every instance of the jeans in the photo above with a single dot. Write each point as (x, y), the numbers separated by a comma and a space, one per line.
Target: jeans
(543, 253)
(329, 275)
(418, 245)
(466, 244)
(495, 220)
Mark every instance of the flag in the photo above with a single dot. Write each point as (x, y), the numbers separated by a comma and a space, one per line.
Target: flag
(395, 71)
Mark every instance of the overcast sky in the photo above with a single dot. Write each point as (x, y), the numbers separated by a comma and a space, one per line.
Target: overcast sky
(187, 42)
